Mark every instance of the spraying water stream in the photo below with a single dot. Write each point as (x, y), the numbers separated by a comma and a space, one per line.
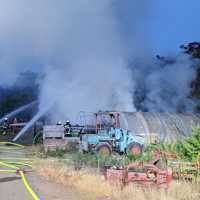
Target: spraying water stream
(33, 120)
(17, 111)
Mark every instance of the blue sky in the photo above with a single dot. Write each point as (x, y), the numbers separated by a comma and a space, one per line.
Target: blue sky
(174, 22)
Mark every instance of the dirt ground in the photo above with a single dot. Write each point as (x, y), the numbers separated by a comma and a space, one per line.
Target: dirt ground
(51, 191)
(12, 188)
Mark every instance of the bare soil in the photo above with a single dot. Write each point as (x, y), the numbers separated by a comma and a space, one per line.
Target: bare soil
(51, 191)
(12, 188)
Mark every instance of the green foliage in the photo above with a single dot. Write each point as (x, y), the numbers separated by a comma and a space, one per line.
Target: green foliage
(133, 157)
(58, 153)
(24, 91)
(192, 49)
(187, 149)
(38, 138)
(190, 148)
(93, 160)
(38, 151)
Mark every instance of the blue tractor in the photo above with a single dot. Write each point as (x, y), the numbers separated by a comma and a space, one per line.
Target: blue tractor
(110, 137)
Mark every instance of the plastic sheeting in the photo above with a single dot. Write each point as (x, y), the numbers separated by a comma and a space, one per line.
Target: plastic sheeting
(167, 127)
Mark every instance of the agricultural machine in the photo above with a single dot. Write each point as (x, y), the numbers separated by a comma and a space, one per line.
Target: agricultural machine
(110, 137)
(181, 169)
(155, 172)
(146, 174)
(185, 170)
(142, 173)
(139, 173)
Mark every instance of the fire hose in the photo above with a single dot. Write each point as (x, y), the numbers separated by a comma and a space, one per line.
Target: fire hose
(21, 166)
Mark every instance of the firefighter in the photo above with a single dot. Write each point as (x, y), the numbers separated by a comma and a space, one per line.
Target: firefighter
(5, 126)
(67, 127)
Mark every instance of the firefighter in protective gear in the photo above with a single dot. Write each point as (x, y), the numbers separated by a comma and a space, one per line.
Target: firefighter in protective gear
(67, 127)
(5, 126)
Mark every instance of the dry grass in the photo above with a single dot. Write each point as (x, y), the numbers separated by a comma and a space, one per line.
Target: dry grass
(93, 187)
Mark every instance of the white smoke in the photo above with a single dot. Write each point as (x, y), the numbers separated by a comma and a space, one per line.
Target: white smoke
(80, 47)
(84, 48)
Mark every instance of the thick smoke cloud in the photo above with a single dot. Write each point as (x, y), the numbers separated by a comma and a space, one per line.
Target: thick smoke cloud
(84, 49)
(165, 85)
(78, 46)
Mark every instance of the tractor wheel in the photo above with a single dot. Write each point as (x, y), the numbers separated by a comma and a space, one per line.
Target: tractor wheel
(134, 148)
(103, 149)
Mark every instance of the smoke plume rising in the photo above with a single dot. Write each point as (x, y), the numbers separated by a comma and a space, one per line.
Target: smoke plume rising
(84, 50)
(165, 85)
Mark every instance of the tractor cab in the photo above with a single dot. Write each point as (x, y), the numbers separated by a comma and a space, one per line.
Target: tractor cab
(107, 120)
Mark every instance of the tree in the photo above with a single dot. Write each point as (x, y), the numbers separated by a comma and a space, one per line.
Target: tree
(24, 91)
(192, 49)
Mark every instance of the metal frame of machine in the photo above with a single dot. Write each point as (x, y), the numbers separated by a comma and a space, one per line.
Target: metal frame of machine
(110, 137)
(144, 174)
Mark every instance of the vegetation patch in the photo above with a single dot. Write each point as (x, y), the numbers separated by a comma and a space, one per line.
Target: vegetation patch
(92, 186)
